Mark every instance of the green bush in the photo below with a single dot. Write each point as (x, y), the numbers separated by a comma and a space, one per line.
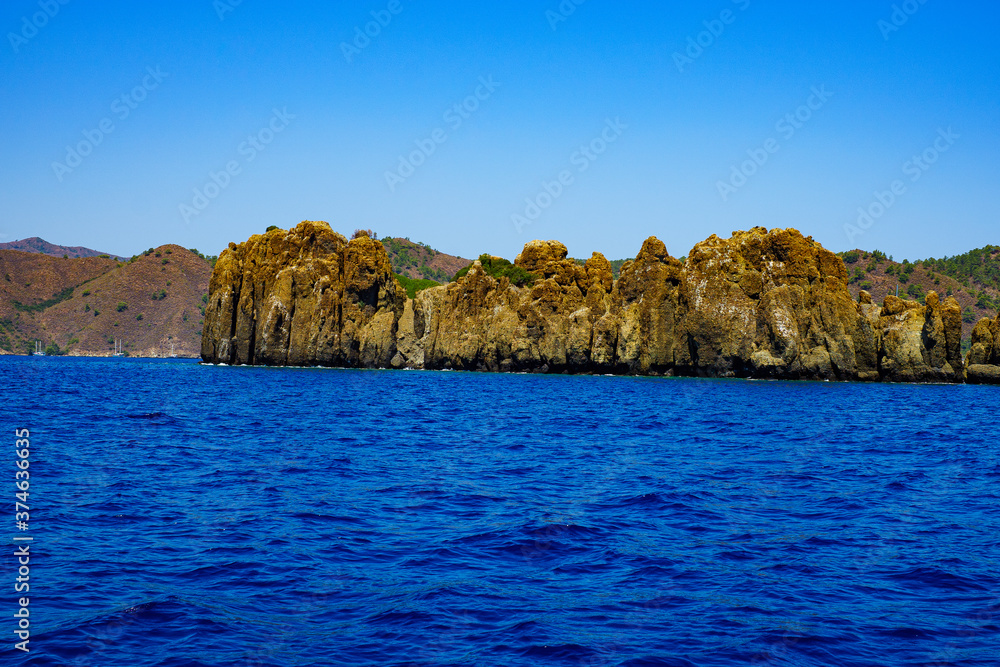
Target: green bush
(851, 257)
(159, 295)
(866, 285)
(501, 268)
(409, 284)
(121, 306)
(138, 318)
(271, 228)
(915, 291)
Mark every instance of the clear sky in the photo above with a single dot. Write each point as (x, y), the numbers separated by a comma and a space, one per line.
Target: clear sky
(617, 120)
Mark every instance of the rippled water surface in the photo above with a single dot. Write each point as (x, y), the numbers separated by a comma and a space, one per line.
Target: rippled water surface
(194, 515)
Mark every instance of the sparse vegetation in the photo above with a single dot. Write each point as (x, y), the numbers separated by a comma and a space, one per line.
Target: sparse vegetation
(414, 260)
(159, 295)
(138, 318)
(358, 233)
(412, 286)
(121, 306)
(58, 297)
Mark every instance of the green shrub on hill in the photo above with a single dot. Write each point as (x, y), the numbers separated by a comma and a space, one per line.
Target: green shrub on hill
(501, 268)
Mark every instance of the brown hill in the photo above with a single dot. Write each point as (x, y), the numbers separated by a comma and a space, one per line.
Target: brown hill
(419, 261)
(83, 305)
(43, 247)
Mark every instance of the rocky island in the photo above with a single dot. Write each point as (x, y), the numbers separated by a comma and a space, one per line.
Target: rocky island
(760, 304)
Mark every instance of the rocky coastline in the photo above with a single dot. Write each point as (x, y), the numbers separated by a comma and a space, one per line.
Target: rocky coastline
(760, 304)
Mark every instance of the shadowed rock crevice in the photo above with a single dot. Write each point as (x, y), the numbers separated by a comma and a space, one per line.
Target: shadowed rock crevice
(760, 304)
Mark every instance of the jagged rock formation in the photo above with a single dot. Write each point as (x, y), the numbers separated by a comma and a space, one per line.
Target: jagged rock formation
(302, 297)
(919, 343)
(763, 304)
(983, 361)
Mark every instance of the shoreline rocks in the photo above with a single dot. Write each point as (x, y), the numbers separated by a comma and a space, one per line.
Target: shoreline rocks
(761, 304)
(983, 360)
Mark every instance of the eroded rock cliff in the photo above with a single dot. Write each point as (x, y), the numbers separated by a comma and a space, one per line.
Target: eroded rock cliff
(983, 360)
(303, 297)
(762, 304)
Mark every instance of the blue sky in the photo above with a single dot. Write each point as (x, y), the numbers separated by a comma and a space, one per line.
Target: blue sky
(643, 110)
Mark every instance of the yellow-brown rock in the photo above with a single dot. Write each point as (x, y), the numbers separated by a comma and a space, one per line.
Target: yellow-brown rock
(302, 297)
(983, 360)
(771, 304)
(920, 343)
(766, 304)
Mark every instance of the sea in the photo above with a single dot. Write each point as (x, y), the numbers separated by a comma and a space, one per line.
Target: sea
(181, 514)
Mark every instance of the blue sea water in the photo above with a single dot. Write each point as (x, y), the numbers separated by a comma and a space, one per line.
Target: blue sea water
(195, 515)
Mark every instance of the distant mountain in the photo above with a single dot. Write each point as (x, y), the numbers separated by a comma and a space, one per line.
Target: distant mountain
(43, 247)
(80, 306)
(422, 262)
(972, 278)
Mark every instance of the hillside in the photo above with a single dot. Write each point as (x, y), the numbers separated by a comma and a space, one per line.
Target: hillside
(43, 247)
(973, 279)
(421, 262)
(80, 306)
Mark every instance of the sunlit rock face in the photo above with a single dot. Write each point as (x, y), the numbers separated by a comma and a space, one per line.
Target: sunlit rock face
(303, 297)
(761, 304)
(983, 360)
